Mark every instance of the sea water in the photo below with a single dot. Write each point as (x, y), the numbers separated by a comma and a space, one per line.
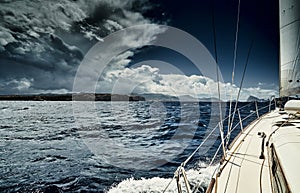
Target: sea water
(112, 147)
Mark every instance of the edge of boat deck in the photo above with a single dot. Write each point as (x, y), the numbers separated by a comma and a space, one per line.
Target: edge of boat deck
(242, 170)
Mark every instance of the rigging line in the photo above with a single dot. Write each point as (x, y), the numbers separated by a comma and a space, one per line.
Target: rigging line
(183, 164)
(196, 187)
(217, 68)
(168, 184)
(297, 49)
(195, 151)
(234, 57)
(260, 176)
(240, 88)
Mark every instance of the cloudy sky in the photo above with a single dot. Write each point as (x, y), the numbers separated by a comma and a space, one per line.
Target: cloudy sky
(46, 46)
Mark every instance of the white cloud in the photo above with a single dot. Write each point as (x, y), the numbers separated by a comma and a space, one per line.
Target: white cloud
(110, 57)
(5, 37)
(112, 25)
(131, 19)
(20, 85)
(26, 40)
(146, 79)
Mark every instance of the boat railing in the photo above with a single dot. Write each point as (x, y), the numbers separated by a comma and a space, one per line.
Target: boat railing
(180, 173)
(242, 120)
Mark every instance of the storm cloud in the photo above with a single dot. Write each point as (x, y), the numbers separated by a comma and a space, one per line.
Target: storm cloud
(43, 42)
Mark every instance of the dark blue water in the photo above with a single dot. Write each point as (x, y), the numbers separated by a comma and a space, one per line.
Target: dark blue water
(106, 147)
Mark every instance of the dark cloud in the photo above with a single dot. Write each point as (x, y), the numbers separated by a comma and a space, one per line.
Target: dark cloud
(37, 51)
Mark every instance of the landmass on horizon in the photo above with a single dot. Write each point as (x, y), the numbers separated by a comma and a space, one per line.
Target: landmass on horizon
(72, 97)
(113, 97)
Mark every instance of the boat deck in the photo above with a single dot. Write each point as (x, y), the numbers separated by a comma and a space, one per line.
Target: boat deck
(243, 171)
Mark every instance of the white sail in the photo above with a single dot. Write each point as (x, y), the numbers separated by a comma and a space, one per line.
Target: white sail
(289, 47)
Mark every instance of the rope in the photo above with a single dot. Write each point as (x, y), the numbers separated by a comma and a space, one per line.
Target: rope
(195, 151)
(239, 92)
(201, 144)
(186, 182)
(232, 153)
(190, 157)
(168, 184)
(217, 68)
(210, 164)
(236, 41)
(215, 155)
(234, 57)
(260, 176)
(230, 122)
(297, 49)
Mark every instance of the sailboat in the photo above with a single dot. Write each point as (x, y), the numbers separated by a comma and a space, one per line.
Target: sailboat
(264, 157)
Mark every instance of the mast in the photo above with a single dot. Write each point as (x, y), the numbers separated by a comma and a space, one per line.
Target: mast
(289, 47)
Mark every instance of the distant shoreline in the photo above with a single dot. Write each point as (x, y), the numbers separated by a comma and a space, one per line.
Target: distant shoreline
(112, 97)
(72, 97)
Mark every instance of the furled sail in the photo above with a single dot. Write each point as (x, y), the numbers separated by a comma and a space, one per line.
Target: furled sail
(289, 47)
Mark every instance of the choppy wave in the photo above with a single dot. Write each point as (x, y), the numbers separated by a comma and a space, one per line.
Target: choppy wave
(136, 146)
(197, 178)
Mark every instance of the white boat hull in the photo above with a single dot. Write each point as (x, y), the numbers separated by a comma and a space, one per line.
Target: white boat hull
(245, 170)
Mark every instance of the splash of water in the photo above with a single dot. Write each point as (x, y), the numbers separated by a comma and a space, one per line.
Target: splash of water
(201, 174)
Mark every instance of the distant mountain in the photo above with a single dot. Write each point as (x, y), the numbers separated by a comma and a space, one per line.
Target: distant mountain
(209, 99)
(104, 97)
(183, 98)
(253, 98)
(159, 97)
(188, 98)
(73, 97)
